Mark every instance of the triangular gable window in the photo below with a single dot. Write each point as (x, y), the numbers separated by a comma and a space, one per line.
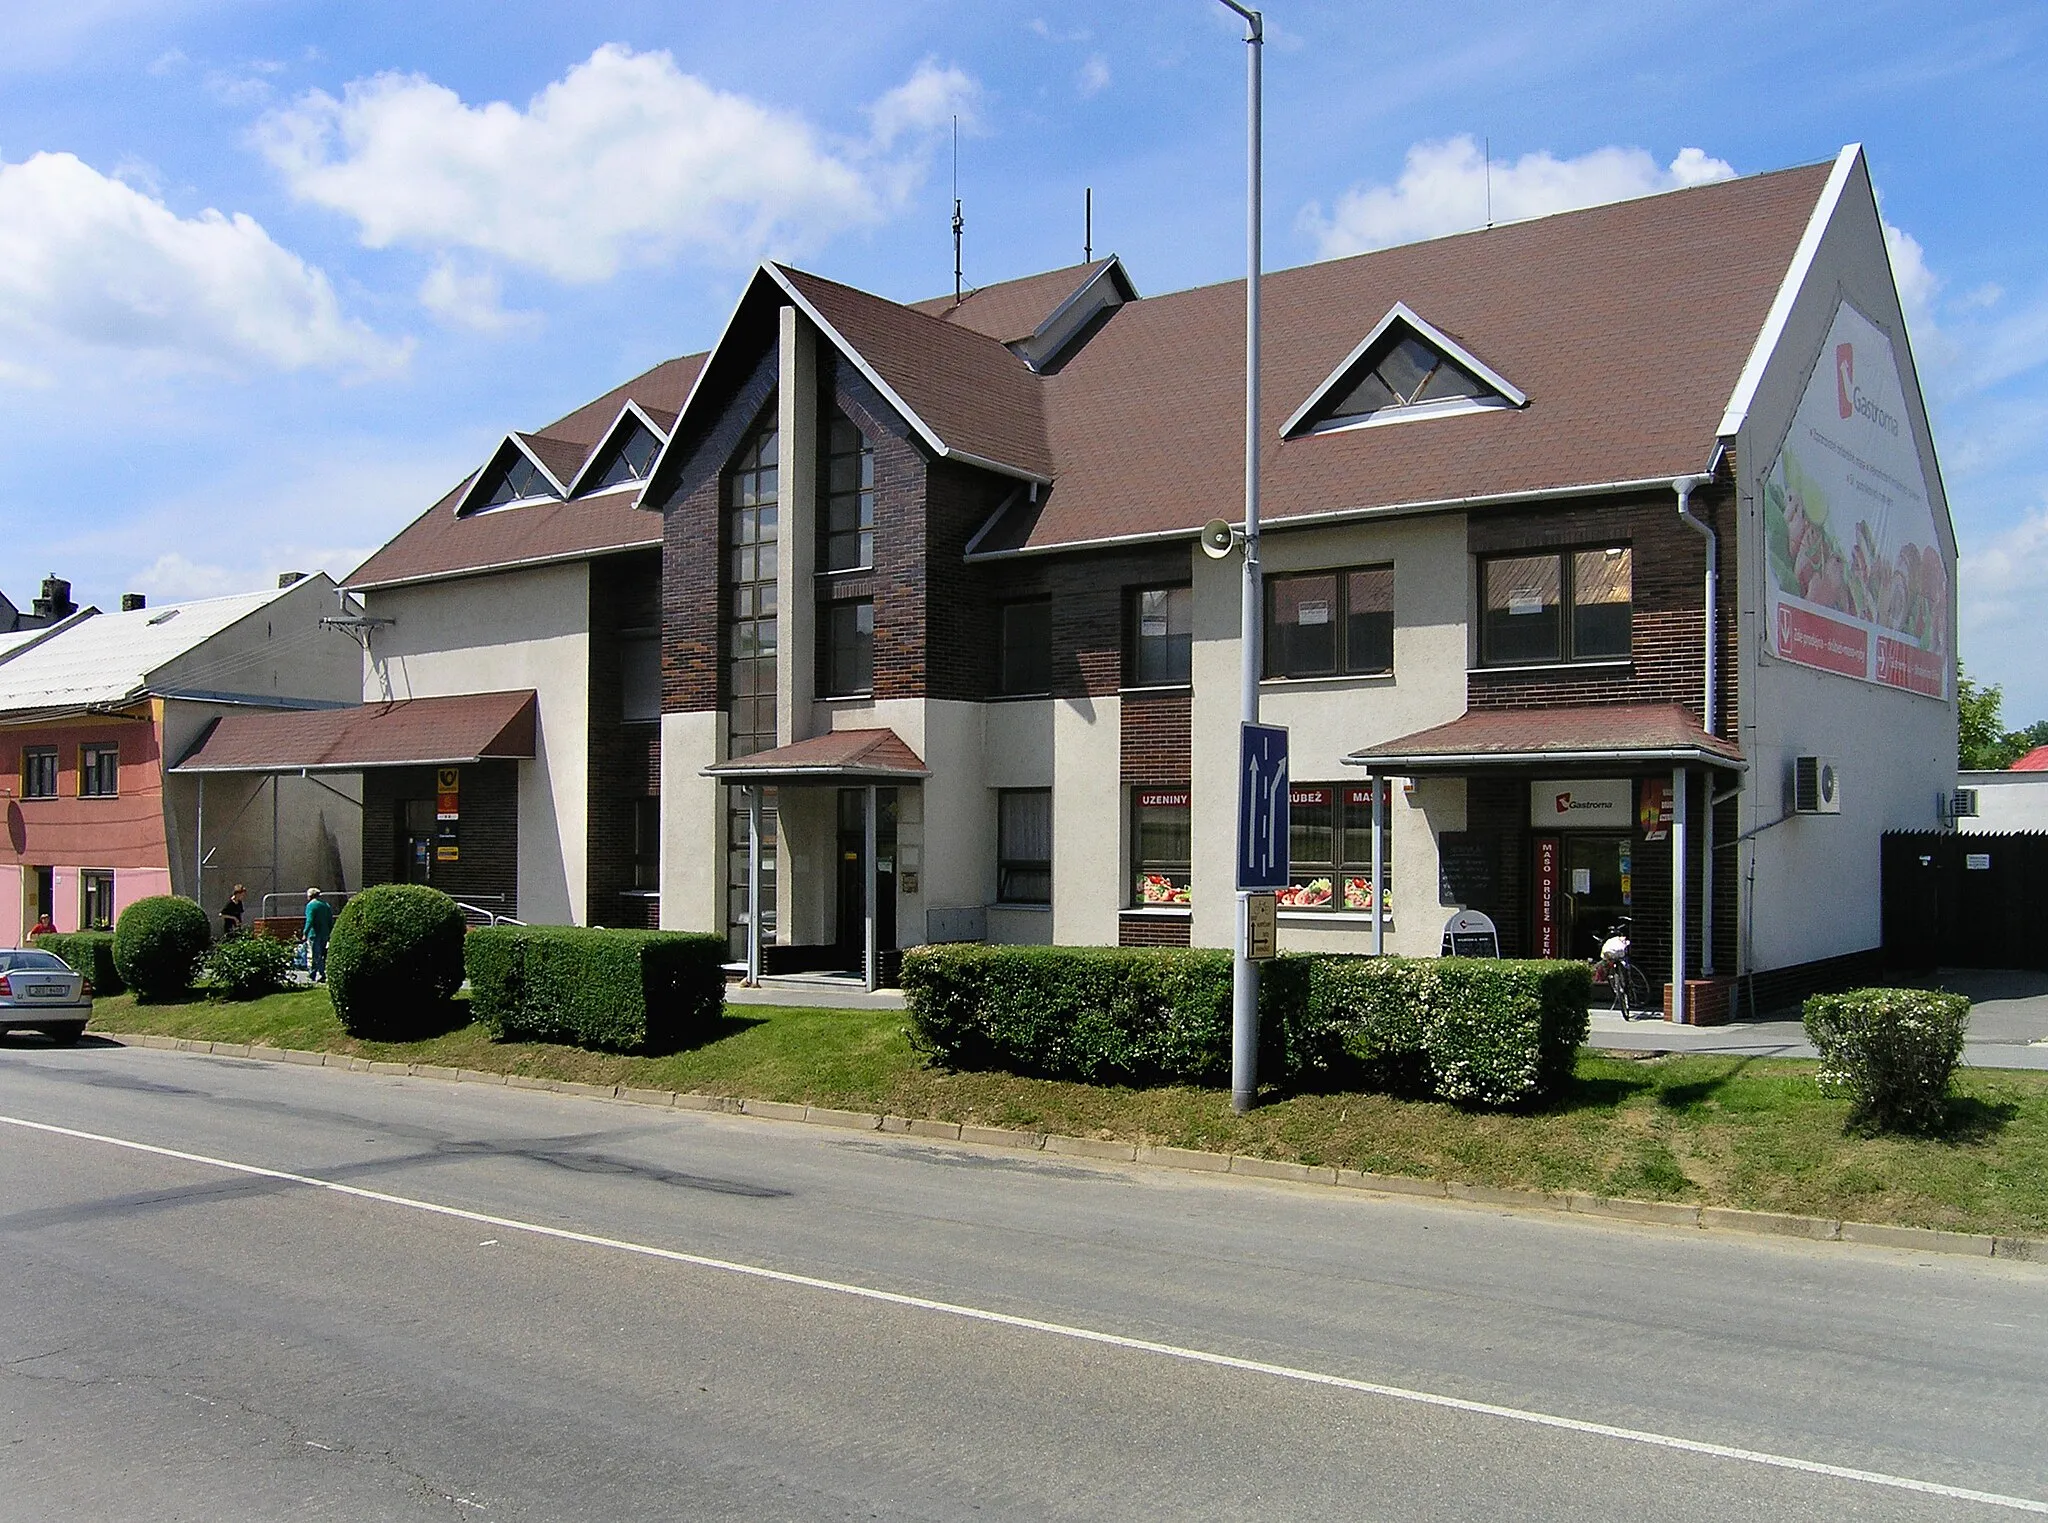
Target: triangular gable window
(511, 477)
(1404, 369)
(627, 459)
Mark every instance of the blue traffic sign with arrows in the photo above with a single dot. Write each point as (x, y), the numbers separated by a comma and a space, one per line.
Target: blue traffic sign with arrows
(1262, 812)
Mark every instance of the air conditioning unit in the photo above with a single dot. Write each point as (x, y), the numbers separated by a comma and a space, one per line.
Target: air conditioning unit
(1816, 785)
(1962, 804)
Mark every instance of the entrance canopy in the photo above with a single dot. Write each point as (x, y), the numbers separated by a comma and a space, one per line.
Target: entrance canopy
(1594, 735)
(409, 732)
(840, 756)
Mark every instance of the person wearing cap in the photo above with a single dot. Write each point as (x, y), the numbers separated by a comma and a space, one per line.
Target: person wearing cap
(319, 926)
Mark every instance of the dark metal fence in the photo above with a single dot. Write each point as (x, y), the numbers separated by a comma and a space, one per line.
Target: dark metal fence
(1965, 901)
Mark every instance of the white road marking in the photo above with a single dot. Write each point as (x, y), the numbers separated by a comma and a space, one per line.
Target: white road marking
(1080, 1334)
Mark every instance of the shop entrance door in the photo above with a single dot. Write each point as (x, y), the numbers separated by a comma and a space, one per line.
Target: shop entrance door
(415, 841)
(853, 876)
(1596, 890)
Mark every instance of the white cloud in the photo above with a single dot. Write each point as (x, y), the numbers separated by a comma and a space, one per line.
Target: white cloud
(2002, 585)
(90, 263)
(1444, 188)
(1094, 76)
(465, 298)
(624, 159)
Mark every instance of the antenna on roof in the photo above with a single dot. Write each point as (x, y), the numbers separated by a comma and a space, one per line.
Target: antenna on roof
(1489, 180)
(1088, 225)
(959, 222)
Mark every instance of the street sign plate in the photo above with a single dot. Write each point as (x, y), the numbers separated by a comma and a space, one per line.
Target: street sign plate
(1261, 926)
(1262, 812)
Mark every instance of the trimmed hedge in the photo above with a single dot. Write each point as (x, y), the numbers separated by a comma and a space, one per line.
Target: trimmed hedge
(1100, 1015)
(88, 952)
(1478, 1032)
(394, 961)
(158, 942)
(616, 991)
(1891, 1051)
(247, 967)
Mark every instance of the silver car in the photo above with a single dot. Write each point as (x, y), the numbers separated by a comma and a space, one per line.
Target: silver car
(39, 991)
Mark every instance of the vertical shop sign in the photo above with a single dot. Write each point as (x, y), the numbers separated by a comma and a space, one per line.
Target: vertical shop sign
(1549, 891)
(1654, 815)
(448, 814)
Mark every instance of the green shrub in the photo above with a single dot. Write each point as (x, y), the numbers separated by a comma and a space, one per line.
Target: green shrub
(617, 991)
(1101, 1015)
(1500, 1033)
(1478, 1031)
(246, 967)
(394, 961)
(158, 942)
(88, 952)
(1891, 1051)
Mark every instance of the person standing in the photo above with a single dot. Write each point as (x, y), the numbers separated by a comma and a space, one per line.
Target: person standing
(231, 914)
(319, 926)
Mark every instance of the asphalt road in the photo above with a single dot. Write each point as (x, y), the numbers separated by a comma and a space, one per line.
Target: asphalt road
(647, 1314)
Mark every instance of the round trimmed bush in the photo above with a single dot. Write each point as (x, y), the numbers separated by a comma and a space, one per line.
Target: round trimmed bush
(158, 943)
(394, 961)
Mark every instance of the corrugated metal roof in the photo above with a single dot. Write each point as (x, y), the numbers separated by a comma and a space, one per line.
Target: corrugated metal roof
(112, 658)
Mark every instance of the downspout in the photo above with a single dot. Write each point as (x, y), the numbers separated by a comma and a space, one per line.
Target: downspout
(1685, 486)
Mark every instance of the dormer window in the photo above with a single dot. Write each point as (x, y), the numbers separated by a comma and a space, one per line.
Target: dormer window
(628, 458)
(1404, 369)
(513, 477)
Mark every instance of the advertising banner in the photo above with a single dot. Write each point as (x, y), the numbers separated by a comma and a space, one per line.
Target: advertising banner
(1596, 803)
(1859, 584)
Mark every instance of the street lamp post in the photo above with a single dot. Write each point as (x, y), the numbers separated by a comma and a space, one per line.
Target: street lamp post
(1244, 980)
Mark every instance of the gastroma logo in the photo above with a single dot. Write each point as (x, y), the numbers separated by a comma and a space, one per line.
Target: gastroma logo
(1564, 803)
(1567, 804)
(1851, 400)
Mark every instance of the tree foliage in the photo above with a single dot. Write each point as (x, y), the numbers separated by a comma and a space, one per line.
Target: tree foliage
(1983, 744)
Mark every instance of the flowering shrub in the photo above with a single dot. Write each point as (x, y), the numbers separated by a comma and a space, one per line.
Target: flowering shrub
(1891, 1051)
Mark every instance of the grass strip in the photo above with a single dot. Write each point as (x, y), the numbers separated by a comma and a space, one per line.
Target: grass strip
(1722, 1131)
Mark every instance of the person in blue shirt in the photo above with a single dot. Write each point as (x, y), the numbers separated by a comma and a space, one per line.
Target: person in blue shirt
(319, 926)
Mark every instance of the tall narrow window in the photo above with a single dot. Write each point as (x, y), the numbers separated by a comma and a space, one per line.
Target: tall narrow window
(99, 772)
(1025, 660)
(1159, 637)
(96, 899)
(847, 633)
(639, 675)
(647, 843)
(39, 772)
(750, 541)
(846, 472)
(1162, 852)
(1024, 845)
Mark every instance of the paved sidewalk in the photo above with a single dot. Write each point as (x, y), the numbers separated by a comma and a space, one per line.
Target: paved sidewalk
(2008, 1025)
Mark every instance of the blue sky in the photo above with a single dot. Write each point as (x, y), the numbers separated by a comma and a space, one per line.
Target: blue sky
(274, 275)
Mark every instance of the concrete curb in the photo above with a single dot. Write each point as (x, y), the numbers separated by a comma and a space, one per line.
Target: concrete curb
(1661, 1213)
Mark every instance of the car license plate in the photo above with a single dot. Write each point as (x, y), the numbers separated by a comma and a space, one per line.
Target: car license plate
(48, 991)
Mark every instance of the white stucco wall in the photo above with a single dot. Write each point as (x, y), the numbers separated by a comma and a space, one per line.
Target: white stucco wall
(1811, 882)
(1327, 718)
(2006, 801)
(1090, 881)
(692, 823)
(511, 630)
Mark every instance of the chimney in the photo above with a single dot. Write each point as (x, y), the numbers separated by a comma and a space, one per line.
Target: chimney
(55, 603)
(286, 578)
(130, 601)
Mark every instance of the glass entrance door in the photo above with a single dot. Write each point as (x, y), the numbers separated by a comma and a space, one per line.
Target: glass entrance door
(1596, 890)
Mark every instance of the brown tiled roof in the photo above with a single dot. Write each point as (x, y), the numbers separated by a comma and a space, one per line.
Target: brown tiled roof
(437, 543)
(844, 754)
(974, 394)
(1016, 308)
(1627, 325)
(1593, 733)
(446, 731)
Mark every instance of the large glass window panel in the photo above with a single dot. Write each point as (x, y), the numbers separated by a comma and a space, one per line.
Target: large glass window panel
(1311, 841)
(1369, 620)
(1355, 838)
(39, 772)
(1302, 625)
(1024, 845)
(849, 647)
(1161, 648)
(1025, 662)
(1520, 598)
(640, 678)
(1602, 606)
(750, 486)
(1160, 847)
(846, 526)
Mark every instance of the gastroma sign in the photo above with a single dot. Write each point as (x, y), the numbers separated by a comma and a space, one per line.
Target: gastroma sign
(1860, 582)
(1597, 803)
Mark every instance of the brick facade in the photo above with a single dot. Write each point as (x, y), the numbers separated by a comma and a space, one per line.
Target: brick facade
(488, 873)
(1135, 930)
(1157, 739)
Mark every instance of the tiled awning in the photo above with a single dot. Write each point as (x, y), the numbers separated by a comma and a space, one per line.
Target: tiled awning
(846, 756)
(1604, 735)
(468, 727)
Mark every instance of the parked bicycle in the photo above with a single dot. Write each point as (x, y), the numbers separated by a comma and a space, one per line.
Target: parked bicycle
(1629, 984)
